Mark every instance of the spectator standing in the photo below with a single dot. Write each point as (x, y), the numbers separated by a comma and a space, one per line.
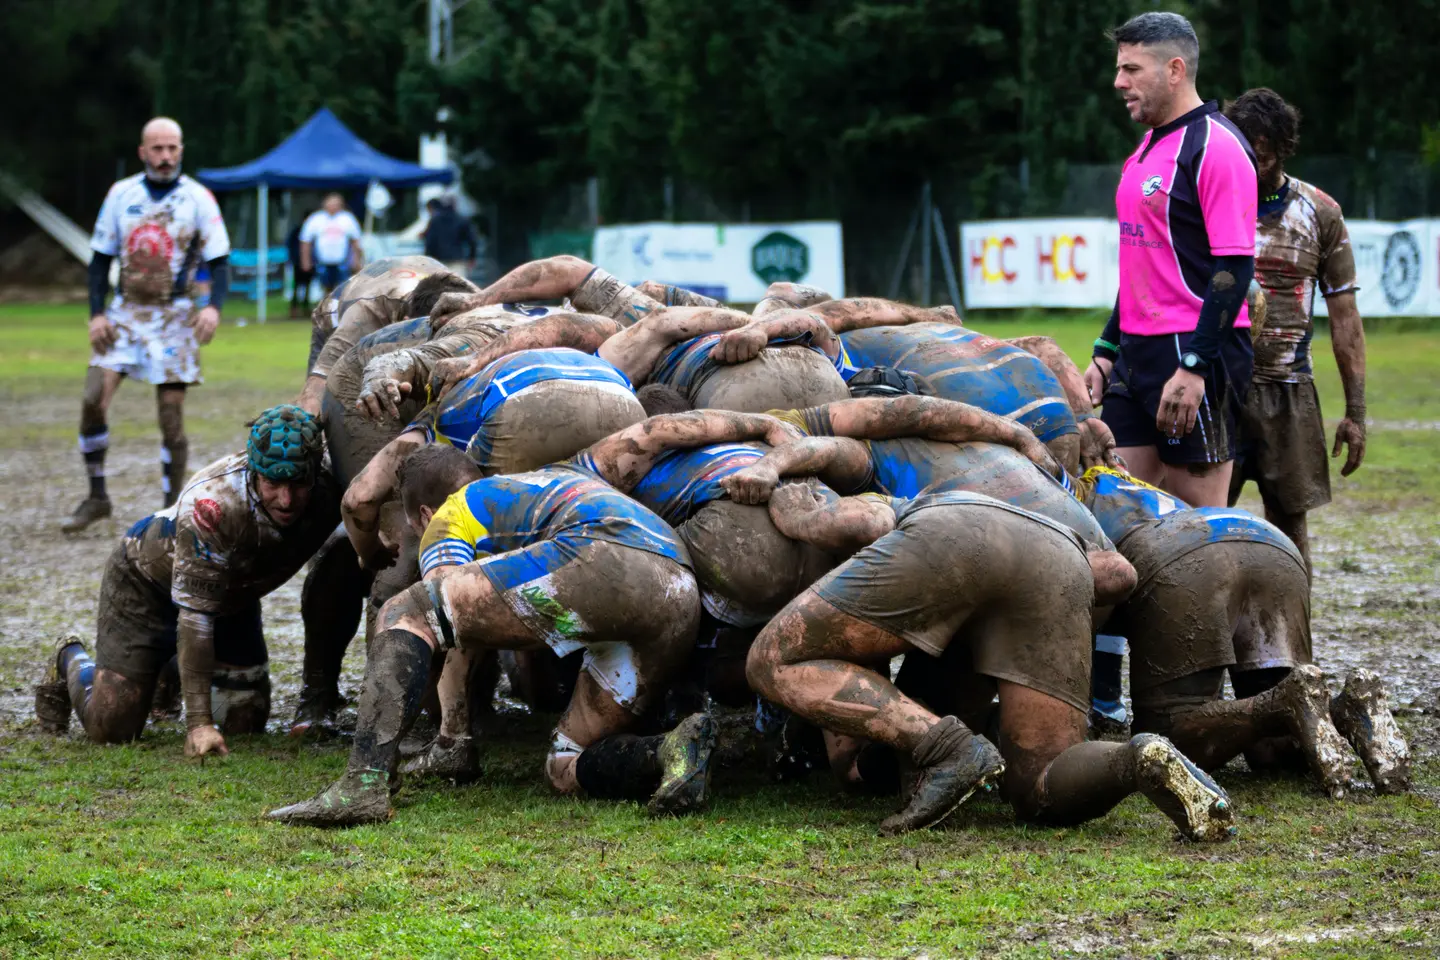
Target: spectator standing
(330, 243)
(449, 237)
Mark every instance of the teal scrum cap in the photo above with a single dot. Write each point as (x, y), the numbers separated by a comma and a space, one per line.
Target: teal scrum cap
(285, 444)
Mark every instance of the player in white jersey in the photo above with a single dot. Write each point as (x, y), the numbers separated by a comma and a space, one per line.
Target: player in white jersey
(161, 225)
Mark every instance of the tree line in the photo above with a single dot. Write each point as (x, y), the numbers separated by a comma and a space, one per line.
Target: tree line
(763, 108)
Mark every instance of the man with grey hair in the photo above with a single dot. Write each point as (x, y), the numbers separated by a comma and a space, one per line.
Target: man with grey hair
(1173, 365)
(162, 225)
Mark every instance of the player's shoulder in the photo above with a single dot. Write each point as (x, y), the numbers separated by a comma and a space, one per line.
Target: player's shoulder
(125, 186)
(1325, 206)
(217, 498)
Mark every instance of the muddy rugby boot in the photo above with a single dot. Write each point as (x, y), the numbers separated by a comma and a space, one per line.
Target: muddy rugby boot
(317, 714)
(1362, 715)
(1197, 804)
(52, 695)
(456, 759)
(684, 756)
(359, 797)
(91, 510)
(1305, 702)
(953, 763)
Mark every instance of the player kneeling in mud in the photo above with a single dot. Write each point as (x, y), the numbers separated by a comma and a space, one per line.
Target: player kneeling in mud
(1220, 588)
(188, 580)
(551, 557)
(1005, 592)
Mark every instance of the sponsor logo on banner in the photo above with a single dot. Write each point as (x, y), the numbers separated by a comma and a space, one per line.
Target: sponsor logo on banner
(780, 257)
(987, 256)
(1058, 254)
(1400, 276)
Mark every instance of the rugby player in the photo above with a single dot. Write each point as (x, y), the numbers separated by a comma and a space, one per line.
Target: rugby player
(162, 225)
(1301, 247)
(552, 557)
(188, 581)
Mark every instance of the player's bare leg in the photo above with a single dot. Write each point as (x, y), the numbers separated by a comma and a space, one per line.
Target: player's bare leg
(112, 708)
(100, 387)
(452, 755)
(1199, 484)
(809, 660)
(1053, 776)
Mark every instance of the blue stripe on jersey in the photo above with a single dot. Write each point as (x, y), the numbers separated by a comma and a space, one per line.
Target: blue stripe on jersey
(687, 364)
(972, 368)
(683, 481)
(560, 502)
(1121, 503)
(463, 412)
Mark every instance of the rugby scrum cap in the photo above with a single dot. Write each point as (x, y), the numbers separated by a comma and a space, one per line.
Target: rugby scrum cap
(882, 382)
(285, 444)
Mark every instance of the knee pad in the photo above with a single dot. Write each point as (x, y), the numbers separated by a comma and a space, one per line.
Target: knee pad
(240, 698)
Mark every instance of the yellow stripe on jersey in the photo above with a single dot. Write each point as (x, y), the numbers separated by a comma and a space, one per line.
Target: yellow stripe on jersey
(452, 536)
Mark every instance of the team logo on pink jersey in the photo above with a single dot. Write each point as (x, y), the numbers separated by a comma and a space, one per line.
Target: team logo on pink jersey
(1151, 185)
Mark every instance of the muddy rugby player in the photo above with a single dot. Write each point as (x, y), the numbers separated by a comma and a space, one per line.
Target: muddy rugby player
(162, 225)
(187, 582)
(1301, 246)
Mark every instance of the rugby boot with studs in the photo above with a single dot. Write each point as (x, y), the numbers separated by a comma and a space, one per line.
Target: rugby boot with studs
(456, 759)
(91, 510)
(684, 754)
(1186, 794)
(1362, 715)
(952, 763)
(1302, 697)
(52, 695)
(359, 797)
(317, 714)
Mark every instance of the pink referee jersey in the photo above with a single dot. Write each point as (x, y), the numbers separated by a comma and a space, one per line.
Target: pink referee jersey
(1187, 195)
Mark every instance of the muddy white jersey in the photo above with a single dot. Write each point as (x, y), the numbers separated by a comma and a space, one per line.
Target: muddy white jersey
(154, 238)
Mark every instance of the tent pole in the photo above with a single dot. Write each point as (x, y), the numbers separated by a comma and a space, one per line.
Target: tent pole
(262, 250)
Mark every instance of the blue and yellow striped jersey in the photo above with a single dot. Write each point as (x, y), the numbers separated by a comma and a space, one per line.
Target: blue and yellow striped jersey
(683, 481)
(688, 364)
(561, 502)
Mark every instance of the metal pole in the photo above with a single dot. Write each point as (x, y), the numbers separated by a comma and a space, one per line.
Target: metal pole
(904, 257)
(262, 250)
(924, 298)
(950, 283)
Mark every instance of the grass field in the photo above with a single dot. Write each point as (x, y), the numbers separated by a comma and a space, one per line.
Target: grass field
(134, 851)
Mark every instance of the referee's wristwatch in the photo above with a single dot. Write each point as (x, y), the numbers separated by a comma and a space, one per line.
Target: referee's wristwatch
(1191, 363)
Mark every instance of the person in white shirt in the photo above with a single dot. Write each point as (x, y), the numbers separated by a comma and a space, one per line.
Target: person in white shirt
(330, 243)
(161, 226)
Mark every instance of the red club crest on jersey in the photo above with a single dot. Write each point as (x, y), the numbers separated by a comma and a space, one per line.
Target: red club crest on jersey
(150, 240)
(207, 515)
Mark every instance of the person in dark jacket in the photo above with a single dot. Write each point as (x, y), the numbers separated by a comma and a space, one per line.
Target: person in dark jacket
(449, 237)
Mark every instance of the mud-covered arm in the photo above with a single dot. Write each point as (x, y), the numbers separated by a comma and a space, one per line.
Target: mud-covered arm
(623, 458)
(577, 331)
(800, 326)
(548, 279)
(368, 492)
(1097, 441)
(204, 537)
(932, 418)
(858, 313)
(1347, 339)
(843, 464)
(195, 653)
(637, 348)
(846, 524)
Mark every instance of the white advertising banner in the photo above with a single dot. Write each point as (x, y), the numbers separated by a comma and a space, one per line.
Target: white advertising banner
(730, 262)
(1395, 268)
(1040, 263)
(1073, 262)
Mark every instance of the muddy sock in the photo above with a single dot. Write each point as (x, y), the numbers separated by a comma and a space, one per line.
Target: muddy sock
(1084, 782)
(173, 465)
(879, 769)
(395, 682)
(1106, 663)
(622, 767)
(94, 442)
(78, 669)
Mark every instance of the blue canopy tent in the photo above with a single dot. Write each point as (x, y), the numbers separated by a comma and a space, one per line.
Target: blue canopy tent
(322, 154)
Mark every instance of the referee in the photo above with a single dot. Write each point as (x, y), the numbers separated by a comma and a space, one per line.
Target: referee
(1173, 365)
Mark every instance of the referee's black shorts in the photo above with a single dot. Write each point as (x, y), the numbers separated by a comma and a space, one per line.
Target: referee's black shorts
(1132, 397)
